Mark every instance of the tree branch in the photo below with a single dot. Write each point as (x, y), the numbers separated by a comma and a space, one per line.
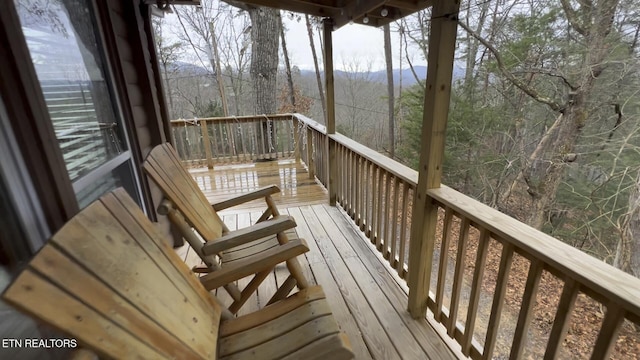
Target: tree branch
(550, 73)
(533, 93)
(572, 17)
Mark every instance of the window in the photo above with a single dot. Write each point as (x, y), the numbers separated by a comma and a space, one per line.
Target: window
(67, 55)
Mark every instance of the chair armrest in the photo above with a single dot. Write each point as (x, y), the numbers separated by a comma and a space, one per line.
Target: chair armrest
(241, 199)
(253, 265)
(248, 234)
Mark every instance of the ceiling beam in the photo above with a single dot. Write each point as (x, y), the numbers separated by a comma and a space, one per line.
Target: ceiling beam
(410, 5)
(355, 10)
(305, 7)
(172, 2)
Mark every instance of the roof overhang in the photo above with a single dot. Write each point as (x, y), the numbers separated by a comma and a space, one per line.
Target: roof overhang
(367, 12)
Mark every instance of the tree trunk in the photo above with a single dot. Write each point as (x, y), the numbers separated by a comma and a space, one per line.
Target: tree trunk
(544, 170)
(265, 26)
(390, 88)
(628, 250)
(315, 63)
(215, 63)
(285, 53)
(472, 47)
(544, 175)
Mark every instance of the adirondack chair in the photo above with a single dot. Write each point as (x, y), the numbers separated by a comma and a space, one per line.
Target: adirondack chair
(188, 209)
(108, 280)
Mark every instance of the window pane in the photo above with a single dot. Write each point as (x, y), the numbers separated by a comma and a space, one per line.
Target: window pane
(118, 177)
(61, 39)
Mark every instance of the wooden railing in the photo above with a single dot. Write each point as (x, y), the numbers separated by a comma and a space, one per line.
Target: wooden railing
(228, 140)
(503, 244)
(377, 193)
(479, 253)
(313, 143)
(498, 287)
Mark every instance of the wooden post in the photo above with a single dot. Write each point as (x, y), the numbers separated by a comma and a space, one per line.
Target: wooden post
(436, 108)
(206, 144)
(296, 138)
(310, 160)
(331, 111)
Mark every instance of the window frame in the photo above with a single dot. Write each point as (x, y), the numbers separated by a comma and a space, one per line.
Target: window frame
(31, 125)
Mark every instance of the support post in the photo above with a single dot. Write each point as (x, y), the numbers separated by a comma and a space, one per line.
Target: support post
(444, 23)
(296, 138)
(310, 160)
(206, 143)
(331, 111)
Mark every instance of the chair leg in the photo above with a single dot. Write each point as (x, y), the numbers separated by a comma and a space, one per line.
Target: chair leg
(233, 291)
(249, 290)
(284, 290)
(265, 215)
(293, 265)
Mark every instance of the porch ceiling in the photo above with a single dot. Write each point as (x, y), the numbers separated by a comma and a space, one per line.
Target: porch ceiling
(344, 11)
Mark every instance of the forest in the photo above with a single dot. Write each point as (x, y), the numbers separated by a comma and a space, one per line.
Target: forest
(544, 121)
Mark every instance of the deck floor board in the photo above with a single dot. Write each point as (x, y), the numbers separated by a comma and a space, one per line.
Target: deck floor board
(366, 296)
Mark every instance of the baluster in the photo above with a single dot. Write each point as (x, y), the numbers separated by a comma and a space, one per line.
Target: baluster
(498, 300)
(476, 288)
(366, 193)
(343, 166)
(526, 309)
(387, 210)
(216, 146)
(366, 184)
(296, 136)
(358, 191)
(403, 229)
(458, 276)
(310, 160)
(353, 187)
(206, 143)
(380, 219)
(374, 208)
(608, 332)
(394, 218)
(442, 266)
(561, 322)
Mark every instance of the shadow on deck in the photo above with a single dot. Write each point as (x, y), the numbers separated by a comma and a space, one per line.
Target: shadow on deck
(368, 299)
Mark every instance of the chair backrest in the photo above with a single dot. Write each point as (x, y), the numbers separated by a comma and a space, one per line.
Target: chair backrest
(165, 168)
(108, 279)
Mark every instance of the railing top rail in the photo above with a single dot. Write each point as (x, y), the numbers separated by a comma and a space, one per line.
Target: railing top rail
(399, 170)
(595, 275)
(311, 123)
(244, 118)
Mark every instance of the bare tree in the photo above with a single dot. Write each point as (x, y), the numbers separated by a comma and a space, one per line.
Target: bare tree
(168, 54)
(198, 31)
(315, 64)
(544, 169)
(627, 257)
(285, 53)
(390, 88)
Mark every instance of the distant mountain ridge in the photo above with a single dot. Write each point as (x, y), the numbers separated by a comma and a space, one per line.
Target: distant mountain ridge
(408, 78)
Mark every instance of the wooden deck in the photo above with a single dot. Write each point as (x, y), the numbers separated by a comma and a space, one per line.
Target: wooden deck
(368, 300)
(292, 178)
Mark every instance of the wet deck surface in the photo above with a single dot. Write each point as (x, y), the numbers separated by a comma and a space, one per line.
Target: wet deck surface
(367, 298)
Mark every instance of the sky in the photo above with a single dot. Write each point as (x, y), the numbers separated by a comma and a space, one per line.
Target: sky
(355, 47)
(351, 44)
